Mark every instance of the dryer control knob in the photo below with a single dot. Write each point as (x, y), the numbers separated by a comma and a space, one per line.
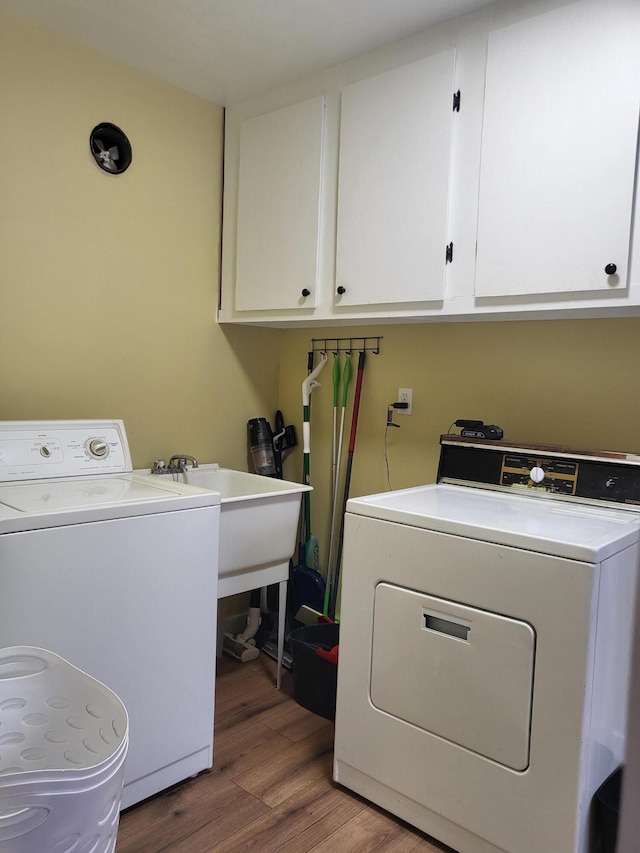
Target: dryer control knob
(98, 448)
(537, 474)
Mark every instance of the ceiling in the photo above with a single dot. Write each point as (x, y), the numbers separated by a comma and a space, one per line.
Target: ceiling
(228, 50)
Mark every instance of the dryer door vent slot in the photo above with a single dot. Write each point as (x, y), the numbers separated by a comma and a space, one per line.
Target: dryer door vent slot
(435, 622)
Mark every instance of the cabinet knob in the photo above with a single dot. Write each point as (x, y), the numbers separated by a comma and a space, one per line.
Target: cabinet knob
(610, 269)
(341, 290)
(306, 292)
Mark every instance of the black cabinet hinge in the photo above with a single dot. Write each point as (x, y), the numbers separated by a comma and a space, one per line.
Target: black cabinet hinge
(456, 101)
(448, 254)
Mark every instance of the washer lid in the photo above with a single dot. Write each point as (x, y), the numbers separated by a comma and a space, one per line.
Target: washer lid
(52, 503)
(578, 532)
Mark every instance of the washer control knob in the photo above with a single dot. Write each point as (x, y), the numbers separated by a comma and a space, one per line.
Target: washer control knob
(45, 451)
(537, 474)
(98, 448)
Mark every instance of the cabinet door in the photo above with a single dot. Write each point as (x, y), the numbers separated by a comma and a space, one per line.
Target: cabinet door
(279, 197)
(395, 134)
(559, 142)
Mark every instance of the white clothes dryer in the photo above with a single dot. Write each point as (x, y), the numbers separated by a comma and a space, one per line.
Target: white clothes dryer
(117, 573)
(485, 638)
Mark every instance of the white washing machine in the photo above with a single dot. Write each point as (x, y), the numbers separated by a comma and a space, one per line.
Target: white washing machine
(116, 572)
(485, 637)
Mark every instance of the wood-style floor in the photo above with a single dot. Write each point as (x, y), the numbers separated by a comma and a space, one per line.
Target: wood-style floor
(270, 788)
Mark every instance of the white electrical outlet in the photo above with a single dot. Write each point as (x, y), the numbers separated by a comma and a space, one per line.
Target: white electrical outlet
(405, 395)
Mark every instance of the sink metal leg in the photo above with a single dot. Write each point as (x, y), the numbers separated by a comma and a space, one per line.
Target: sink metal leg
(282, 613)
(220, 627)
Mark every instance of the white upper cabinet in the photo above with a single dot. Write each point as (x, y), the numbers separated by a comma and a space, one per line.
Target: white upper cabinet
(279, 202)
(559, 140)
(393, 184)
(350, 184)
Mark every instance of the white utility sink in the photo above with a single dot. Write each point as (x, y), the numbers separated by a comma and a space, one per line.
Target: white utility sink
(258, 525)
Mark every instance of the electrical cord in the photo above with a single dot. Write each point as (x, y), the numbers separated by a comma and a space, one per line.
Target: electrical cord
(386, 454)
(390, 423)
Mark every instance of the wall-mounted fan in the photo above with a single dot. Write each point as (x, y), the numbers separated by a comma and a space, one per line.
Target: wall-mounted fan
(110, 148)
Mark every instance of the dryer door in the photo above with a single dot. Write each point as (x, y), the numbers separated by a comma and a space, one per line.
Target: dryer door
(461, 673)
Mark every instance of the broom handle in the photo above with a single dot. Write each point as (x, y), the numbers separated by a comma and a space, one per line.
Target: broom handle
(347, 483)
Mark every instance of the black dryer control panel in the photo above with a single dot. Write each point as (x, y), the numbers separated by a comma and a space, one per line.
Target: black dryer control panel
(598, 477)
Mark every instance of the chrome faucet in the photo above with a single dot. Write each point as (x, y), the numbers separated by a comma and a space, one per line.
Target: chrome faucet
(180, 462)
(177, 464)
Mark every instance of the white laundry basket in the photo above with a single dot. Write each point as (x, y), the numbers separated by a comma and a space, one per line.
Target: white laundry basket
(63, 743)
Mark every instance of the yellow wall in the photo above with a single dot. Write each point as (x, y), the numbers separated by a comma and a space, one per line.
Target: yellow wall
(571, 382)
(108, 288)
(108, 285)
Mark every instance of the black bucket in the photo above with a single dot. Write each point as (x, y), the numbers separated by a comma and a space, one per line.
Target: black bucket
(314, 677)
(608, 809)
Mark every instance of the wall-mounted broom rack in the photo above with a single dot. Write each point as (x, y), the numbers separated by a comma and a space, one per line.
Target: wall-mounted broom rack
(346, 345)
